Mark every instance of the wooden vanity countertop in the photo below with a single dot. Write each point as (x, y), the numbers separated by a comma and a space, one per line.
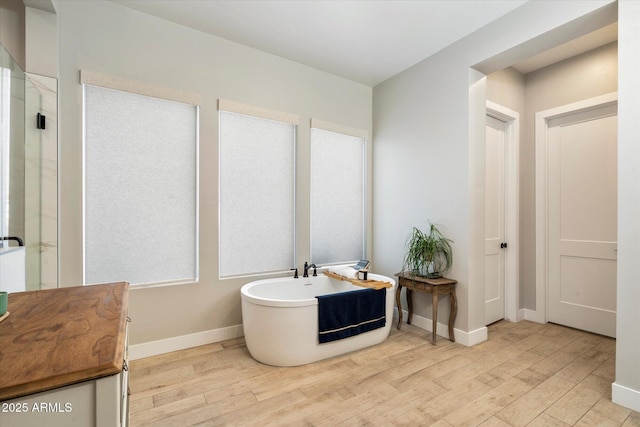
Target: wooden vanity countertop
(58, 337)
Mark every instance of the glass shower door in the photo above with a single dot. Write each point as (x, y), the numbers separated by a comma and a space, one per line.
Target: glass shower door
(11, 151)
(12, 254)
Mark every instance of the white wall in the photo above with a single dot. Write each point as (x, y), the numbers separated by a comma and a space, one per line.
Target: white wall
(428, 127)
(41, 42)
(108, 38)
(507, 88)
(626, 389)
(12, 25)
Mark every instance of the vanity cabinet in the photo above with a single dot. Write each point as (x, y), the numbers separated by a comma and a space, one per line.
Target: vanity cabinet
(63, 358)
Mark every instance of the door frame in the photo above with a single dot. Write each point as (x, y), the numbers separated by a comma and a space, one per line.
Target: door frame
(541, 313)
(512, 221)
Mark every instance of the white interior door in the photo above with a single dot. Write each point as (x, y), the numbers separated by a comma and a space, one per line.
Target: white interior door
(495, 244)
(582, 219)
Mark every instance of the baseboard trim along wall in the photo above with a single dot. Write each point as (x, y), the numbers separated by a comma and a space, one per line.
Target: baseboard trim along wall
(154, 348)
(462, 337)
(625, 396)
(534, 316)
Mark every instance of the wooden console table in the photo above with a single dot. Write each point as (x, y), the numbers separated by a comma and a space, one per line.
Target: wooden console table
(435, 287)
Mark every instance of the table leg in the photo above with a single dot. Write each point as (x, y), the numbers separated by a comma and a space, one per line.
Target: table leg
(434, 299)
(452, 314)
(399, 304)
(410, 304)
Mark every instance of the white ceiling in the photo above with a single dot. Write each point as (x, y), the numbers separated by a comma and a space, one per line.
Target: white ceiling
(365, 41)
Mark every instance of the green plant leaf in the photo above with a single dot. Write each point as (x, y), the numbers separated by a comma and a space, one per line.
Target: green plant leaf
(428, 252)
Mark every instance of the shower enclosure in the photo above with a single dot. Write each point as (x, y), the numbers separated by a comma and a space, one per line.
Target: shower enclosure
(28, 178)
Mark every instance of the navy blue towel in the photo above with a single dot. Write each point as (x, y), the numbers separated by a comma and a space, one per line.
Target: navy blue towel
(346, 314)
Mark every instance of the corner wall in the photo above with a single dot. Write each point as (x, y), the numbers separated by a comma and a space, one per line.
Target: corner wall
(626, 389)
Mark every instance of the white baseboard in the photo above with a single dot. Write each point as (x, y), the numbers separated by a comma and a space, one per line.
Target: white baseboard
(167, 345)
(474, 337)
(534, 316)
(625, 396)
(520, 315)
(154, 348)
(462, 337)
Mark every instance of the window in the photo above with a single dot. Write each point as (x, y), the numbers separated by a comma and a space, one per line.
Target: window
(140, 188)
(257, 190)
(337, 193)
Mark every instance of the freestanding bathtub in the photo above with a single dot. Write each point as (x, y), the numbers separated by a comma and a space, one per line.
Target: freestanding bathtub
(280, 319)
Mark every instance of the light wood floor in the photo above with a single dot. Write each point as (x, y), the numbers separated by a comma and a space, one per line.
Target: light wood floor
(525, 374)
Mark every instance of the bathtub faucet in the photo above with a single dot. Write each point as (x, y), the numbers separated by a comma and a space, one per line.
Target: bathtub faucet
(307, 267)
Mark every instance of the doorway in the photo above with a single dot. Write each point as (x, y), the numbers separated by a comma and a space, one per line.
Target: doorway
(576, 217)
(501, 213)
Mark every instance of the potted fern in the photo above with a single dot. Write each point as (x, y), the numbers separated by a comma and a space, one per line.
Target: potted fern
(429, 254)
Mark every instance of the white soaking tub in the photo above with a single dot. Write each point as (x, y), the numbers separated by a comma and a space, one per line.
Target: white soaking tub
(280, 319)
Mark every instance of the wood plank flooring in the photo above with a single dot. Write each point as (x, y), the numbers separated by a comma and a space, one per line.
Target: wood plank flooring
(526, 374)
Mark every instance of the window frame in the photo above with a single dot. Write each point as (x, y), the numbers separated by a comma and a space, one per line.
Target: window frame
(233, 107)
(352, 132)
(110, 82)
